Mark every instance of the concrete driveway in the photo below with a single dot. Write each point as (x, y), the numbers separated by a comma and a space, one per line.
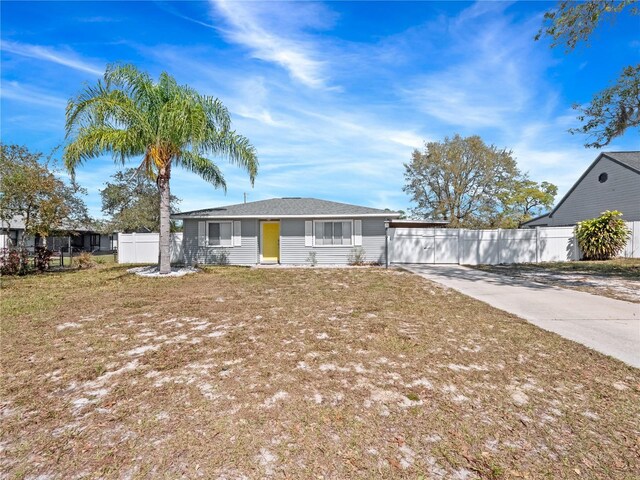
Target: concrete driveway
(604, 324)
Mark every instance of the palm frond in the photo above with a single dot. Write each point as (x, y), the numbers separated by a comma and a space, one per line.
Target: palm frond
(203, 167)
(93, 141)
(128, 114)
(237, 149)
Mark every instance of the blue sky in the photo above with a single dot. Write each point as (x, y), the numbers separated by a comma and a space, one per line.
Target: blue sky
(335, 96)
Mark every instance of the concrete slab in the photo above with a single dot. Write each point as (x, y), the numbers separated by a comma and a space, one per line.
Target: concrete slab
(607, 325)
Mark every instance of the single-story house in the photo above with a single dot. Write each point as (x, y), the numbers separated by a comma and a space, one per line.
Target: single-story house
(81, 238)
(612, 182)
(289, 231)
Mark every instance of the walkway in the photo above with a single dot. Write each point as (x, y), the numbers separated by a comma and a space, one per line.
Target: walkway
(609, 326)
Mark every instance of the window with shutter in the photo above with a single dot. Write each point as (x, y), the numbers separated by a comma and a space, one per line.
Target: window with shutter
(333, 232)
(220, 234)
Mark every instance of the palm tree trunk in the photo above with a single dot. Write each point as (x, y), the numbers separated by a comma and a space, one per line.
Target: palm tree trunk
(164, 259)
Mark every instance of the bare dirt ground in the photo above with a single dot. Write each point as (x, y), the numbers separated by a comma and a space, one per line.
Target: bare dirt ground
(619, 278)
(301, 373)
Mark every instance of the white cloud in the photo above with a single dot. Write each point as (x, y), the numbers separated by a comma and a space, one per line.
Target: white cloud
(267, 30)
(487, 82)
(13, 90)
(66, 58)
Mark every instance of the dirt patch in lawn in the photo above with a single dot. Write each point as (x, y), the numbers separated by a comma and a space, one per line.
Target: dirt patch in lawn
(301, 373)
(619, 278)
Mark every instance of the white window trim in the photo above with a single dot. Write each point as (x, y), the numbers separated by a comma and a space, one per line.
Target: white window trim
(206, 234)
(313, 236)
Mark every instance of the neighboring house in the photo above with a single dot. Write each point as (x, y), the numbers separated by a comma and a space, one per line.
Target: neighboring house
(81, 239)
(284, 230)
(612, 182)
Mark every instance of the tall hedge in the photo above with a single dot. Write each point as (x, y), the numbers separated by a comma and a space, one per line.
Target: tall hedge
(603, 237)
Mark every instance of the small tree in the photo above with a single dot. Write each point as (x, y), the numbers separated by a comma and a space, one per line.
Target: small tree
(131, 200)
(31, 191)
(524, 200)
(603, 237)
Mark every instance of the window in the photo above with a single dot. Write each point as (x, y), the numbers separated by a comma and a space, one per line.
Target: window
(219, 234)
(13, 238)
(95, 239)
(333, 233)
(603, 177)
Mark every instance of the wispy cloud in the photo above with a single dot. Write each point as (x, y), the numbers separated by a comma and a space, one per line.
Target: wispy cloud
(66, 58)
(487, 82)
(269, 34)
(13, 90)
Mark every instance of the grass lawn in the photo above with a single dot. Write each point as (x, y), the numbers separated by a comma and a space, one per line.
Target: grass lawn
(299, 373)
(618, 278)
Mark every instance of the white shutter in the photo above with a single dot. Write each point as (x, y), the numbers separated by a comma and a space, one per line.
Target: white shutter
(308, 233)
(237, 233)
(202, 234)
(357, 234)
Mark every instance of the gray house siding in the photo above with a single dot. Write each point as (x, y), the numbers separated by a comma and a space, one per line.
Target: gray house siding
(294, 252)
(292, 244)
(590, 197)
(244, 254)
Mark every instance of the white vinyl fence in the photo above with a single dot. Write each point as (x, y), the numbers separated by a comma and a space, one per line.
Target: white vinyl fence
(145, 247)
(473, 247)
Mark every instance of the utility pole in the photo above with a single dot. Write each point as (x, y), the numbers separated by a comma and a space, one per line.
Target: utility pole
(245, 197)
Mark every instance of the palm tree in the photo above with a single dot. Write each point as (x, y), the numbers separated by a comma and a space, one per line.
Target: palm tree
(129, 115)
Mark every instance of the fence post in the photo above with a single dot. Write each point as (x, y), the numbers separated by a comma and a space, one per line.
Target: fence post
(576, 255)
(459, 246)
(499, 246)
(537, 244)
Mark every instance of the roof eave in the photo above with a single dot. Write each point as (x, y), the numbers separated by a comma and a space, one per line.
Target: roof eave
(539, 217)
(178, 216)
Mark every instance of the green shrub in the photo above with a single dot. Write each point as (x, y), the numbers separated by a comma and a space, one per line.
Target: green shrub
(603, 237)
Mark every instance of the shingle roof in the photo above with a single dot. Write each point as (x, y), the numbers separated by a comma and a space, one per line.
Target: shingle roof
(287, 207)
(630, 159)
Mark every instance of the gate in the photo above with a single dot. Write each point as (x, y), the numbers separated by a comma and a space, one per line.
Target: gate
(423, 245)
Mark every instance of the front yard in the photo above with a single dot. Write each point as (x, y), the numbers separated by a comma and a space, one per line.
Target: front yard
(298, 373)
(618, 278)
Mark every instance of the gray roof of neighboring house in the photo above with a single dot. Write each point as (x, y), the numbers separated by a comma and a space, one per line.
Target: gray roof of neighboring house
(535, 220)
(17, 223)
(629, 159)
(288, 207)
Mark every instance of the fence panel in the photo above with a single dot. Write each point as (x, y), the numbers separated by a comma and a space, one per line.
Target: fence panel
(632, 249)
(145, 247)
(479, 247)
(473, 247)
(517, 246)
(445, 245)
(411, 245)
(557, 244)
